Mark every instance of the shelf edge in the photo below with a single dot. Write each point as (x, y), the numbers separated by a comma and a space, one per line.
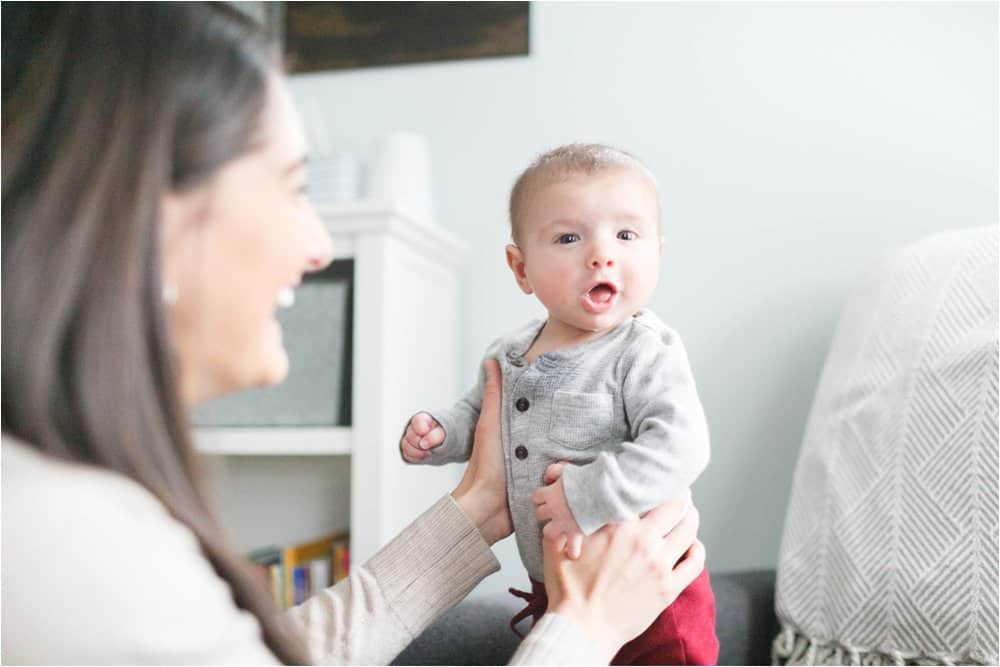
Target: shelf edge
(278, 441)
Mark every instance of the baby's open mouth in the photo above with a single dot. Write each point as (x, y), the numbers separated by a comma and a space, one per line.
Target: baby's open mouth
(602, 292)
(600, 297)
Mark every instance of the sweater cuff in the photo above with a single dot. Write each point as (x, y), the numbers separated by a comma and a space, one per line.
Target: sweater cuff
(451, 449)
(557, 640)
(432, 565)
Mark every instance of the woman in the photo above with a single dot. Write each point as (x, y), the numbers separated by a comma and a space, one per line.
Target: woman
(153, 211)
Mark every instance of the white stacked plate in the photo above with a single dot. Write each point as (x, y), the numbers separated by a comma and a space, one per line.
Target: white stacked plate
(335, 177)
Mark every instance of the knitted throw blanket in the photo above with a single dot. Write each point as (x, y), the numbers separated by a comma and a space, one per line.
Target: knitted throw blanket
(889, 553)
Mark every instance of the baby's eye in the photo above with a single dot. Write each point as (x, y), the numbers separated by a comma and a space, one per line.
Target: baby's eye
(568, 238)
(627, 235)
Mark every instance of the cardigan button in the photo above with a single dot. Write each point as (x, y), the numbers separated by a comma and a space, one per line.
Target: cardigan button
(522, 404)
(521, 452)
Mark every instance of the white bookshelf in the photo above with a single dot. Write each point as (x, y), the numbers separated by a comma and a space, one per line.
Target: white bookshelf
(305, 441)
(406, 277)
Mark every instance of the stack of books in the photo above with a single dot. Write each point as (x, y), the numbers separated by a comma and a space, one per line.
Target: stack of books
(295, 573)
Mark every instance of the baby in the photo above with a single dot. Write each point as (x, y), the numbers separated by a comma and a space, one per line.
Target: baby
(601, 383)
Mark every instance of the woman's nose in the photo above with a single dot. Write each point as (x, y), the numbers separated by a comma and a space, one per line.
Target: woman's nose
(319, 244)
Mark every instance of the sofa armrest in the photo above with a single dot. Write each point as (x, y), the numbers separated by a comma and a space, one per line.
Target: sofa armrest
(744, 616)
(476, 631)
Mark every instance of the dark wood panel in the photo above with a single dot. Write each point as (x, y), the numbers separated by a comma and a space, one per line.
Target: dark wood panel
(345, 35)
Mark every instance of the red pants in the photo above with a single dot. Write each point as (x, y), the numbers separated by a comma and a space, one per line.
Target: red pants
(683, 633)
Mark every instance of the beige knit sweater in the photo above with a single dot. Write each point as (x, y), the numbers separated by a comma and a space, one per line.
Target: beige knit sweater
(94, 571)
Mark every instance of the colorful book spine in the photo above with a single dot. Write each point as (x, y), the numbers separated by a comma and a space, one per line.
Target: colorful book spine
(267, 564)
(297, 587)
(301, 584)
(277, 585)
(319, 574)
(294, 573)
(341, 563)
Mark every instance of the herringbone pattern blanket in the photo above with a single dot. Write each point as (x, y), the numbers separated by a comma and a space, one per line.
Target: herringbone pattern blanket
(889, 553)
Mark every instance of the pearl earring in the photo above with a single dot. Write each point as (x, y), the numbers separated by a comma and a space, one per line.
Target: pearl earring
(170, 293)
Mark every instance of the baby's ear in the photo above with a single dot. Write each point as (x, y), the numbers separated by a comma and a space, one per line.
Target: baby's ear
(515, 260)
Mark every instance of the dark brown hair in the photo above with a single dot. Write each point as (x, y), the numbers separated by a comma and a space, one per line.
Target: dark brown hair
(106, 107)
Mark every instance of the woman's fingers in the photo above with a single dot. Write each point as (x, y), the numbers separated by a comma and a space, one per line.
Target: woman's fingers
(688, 569)
(553, 539)
(664, 517)
(486, 461)
(682, 537)
(482, 493)
(626, 573)
(487, 450)
(489, 412)
(575, 546)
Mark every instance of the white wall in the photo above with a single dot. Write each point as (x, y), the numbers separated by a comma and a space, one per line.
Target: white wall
(795, 143)
(280, 500)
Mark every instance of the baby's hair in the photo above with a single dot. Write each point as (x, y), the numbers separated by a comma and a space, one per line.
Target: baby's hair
(571, 159)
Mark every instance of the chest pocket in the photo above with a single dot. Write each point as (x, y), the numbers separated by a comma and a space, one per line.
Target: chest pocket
(581, 420)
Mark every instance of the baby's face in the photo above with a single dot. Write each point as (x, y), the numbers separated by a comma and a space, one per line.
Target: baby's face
(591, 247)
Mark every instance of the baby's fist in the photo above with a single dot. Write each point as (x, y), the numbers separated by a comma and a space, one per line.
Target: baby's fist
(422, 434)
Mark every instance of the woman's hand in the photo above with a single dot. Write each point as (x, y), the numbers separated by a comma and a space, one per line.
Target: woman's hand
(627, 573)
(482, 493)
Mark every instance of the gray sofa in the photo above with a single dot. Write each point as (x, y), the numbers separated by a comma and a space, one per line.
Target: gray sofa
(476, 631)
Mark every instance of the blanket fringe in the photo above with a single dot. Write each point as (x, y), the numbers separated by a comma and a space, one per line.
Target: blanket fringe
(793, 647)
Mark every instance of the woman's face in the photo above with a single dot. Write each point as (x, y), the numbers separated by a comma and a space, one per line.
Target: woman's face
(231, 247)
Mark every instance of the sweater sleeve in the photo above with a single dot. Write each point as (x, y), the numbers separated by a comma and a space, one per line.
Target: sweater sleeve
(149, 596)
(669, 446)
(384, 604)
(95, 571)
(459, 421)
(556, 640)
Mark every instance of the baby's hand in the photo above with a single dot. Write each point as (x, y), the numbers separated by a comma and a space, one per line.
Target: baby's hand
(422, 434)
(551, 506)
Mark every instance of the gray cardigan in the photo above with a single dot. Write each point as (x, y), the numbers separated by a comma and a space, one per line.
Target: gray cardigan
(623, 409)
